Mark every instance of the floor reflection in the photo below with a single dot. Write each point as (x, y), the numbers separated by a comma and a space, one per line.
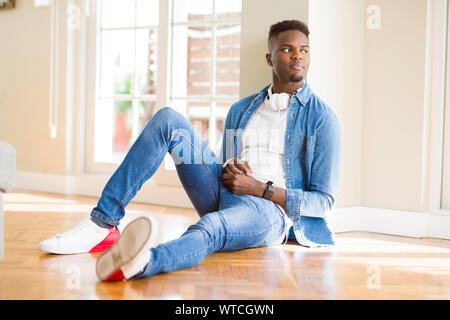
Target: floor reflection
(77, 271)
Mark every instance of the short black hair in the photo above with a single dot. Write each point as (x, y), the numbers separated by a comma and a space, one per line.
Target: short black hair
(285, 25)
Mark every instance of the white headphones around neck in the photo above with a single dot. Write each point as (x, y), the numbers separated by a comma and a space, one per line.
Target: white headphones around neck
(278, 101)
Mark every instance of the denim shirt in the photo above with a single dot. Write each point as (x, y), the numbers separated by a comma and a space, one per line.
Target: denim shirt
(312, 160)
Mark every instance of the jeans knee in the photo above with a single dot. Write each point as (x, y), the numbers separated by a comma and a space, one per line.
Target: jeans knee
(212, 227)
(160, 124)
(168, 115)
(165, 120)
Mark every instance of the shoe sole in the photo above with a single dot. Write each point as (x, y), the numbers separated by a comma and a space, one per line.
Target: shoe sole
(135, 238)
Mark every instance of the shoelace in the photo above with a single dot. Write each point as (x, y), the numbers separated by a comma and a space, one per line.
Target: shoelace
(79, 227)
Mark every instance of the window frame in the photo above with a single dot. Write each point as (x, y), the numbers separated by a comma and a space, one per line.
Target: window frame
(213, 98)
(436, 175)
(94, 95)
(444, 205)
(165, 175)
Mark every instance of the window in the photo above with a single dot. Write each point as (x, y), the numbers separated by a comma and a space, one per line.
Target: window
(197, 72)
(126, 70)
(205, 63)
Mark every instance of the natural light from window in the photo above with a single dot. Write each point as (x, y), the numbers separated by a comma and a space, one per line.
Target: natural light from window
(203, 64)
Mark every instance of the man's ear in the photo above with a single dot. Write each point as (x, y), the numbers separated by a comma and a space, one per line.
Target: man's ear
(269, 59)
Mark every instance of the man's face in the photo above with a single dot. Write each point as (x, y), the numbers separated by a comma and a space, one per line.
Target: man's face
(289, 56)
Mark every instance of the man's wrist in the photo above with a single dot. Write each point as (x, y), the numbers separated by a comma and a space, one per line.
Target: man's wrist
(268, 194)
(259, 191)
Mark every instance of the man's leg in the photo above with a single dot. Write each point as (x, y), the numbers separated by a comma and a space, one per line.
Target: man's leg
(167, 131)
(196, 164)
(242, 222)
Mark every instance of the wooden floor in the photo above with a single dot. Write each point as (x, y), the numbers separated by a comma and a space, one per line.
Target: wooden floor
(360, 266)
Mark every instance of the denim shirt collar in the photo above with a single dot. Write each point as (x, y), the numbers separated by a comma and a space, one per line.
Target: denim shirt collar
(302, 95)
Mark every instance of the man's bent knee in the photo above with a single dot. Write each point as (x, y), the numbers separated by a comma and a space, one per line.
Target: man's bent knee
(213, 229)
(167, 115)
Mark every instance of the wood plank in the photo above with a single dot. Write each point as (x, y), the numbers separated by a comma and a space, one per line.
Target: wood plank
(361, 266)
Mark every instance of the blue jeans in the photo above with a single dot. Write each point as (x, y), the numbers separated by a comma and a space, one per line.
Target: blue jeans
(227, 221)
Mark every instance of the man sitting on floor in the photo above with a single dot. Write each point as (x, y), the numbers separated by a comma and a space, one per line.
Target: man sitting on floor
(281, 157)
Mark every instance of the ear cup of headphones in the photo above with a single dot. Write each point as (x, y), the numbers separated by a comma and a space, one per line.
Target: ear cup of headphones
(279, 101)
(283, 101)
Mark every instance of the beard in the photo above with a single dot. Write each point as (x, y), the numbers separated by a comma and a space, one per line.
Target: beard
(296, 78)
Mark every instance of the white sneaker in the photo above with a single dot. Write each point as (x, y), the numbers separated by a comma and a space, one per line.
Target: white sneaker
(130, 254)
(86, 236)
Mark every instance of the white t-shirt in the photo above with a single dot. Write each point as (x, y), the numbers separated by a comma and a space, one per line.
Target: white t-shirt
(263, 145)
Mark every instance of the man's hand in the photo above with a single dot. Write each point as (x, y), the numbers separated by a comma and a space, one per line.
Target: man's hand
(237, 178)
(241, 184)
(237, 166)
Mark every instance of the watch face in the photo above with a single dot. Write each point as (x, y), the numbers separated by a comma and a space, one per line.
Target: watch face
(269, 191)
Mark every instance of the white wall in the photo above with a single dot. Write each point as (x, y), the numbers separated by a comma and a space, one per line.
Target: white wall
(393, 113)
(336, 71)
(24, 83)
(257, 17)
(373, 79)
(336, 76)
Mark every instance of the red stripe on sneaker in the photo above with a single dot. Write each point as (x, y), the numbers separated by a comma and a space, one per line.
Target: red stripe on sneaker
(109, 241)
(116, 276)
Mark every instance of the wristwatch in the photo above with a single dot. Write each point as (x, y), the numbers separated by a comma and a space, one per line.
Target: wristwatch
(268, 193)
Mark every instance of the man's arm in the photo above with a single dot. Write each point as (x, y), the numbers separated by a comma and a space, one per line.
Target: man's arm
(319, 198)
(237, 178)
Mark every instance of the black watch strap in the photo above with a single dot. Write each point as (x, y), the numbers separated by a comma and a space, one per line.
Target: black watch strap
(268, 193)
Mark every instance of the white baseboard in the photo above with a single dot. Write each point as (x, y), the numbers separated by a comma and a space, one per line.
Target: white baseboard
(356, 218)
(93, 184)
(387, 221)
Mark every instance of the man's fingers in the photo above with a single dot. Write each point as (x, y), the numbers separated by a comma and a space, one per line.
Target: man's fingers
(231, 168)
(248, 167)
(227, 176)
(238, 167)
(242, 166)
